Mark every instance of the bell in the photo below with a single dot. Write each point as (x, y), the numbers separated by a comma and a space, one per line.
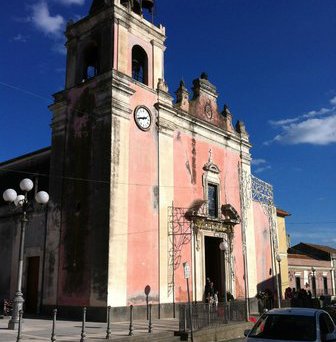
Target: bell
(148, 4)
(136, 7)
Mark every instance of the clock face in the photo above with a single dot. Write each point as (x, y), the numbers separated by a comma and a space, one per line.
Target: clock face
(143, 118)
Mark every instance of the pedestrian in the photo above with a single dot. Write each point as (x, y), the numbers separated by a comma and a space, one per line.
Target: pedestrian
(206, 289)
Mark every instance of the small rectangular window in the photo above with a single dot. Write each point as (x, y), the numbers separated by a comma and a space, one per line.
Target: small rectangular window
(212, 200)
(298, 283)
(325, 285)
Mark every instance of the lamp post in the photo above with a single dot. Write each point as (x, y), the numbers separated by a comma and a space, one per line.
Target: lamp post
(313, 281)
(21, 201)
(278, 259)
(223, 246)
(186, 270)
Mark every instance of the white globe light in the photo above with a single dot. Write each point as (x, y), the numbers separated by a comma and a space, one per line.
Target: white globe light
(9, 195)
(19, 200)
(26, 184)
(42, 197)
(278, 258)
(223, 246)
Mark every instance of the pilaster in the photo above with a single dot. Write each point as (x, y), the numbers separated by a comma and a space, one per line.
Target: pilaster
(166, 181)
(118, 231)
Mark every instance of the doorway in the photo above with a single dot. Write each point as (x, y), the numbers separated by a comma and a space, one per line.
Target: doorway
(214, 263)
(31, 297)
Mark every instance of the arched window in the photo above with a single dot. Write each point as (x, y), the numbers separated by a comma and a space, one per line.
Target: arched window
(139, 64)
(90, 61)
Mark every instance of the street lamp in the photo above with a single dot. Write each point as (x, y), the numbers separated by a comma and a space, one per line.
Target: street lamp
(278, 259)
(223, 246)
(21, 201)
(313, 281)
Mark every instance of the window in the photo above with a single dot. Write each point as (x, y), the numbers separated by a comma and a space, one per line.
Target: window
(285, 327)
(139, 64)
(298, 283)
(212, 200)
(326, 325)
(325, 285)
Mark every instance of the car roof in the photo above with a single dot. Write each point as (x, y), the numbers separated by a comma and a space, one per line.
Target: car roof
(294, 311)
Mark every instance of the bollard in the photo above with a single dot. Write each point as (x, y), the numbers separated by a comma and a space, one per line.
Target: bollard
(150, 318)
(18, 339)
(53, 335)
(131, 322)
(108, 330)
(83, 335)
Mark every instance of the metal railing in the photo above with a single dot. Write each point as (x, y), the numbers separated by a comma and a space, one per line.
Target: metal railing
(207, 315)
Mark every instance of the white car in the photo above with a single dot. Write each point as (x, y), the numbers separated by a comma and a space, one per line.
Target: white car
(293, 324)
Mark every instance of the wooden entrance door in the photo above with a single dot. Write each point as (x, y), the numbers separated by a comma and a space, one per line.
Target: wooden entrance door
(31, 297)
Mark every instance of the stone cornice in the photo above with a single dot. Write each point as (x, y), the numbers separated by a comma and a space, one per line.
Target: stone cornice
(121, 110)
(182, 121)
(117, 13)
(158, 44)
(144, 27)
(208, 131)
(308, 268)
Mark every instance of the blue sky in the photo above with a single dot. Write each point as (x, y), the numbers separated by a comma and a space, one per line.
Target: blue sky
(273, 62)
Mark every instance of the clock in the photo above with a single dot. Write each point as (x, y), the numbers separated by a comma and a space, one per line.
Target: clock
(143, 117)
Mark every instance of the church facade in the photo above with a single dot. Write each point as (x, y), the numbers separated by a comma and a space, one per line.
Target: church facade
(141, 183)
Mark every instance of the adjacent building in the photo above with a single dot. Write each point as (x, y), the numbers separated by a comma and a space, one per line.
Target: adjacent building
(312, 267)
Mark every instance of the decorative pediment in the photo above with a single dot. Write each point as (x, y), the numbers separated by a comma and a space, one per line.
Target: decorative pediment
(210, 166)
(230, 214)
(198, 215)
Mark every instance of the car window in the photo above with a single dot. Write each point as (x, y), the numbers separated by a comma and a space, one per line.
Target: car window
(326, 325)
(285, 327)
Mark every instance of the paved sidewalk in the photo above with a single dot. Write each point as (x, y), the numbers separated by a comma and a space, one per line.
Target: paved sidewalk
(40, 330)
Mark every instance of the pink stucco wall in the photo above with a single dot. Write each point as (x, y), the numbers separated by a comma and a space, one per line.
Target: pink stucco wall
(263, 248)
(190, 155)
(143, 252)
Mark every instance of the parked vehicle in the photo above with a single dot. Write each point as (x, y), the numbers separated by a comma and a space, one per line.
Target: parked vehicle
(293, 324)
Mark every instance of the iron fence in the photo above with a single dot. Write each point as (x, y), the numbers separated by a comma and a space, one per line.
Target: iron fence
(206, 315)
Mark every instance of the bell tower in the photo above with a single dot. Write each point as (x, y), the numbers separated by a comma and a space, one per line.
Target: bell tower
(103, 144)
(115, 36)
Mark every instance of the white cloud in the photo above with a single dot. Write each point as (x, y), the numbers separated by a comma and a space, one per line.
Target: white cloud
(260, 164)
(314, 113)
(258, 161)
(41, 18)
(262, 169)
(59, 48)
(311, 131)
(20, 38)
(72, 2)
(316, 127)
(311, 114)
(283, 122)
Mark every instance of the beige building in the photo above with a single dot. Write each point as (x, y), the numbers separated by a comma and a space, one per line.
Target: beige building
(282, 258)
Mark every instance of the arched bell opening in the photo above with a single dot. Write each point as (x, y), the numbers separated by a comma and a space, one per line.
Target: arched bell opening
(139, 64)
(90, 59)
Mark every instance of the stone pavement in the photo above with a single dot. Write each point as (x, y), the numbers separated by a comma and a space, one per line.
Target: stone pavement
(40, 330)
